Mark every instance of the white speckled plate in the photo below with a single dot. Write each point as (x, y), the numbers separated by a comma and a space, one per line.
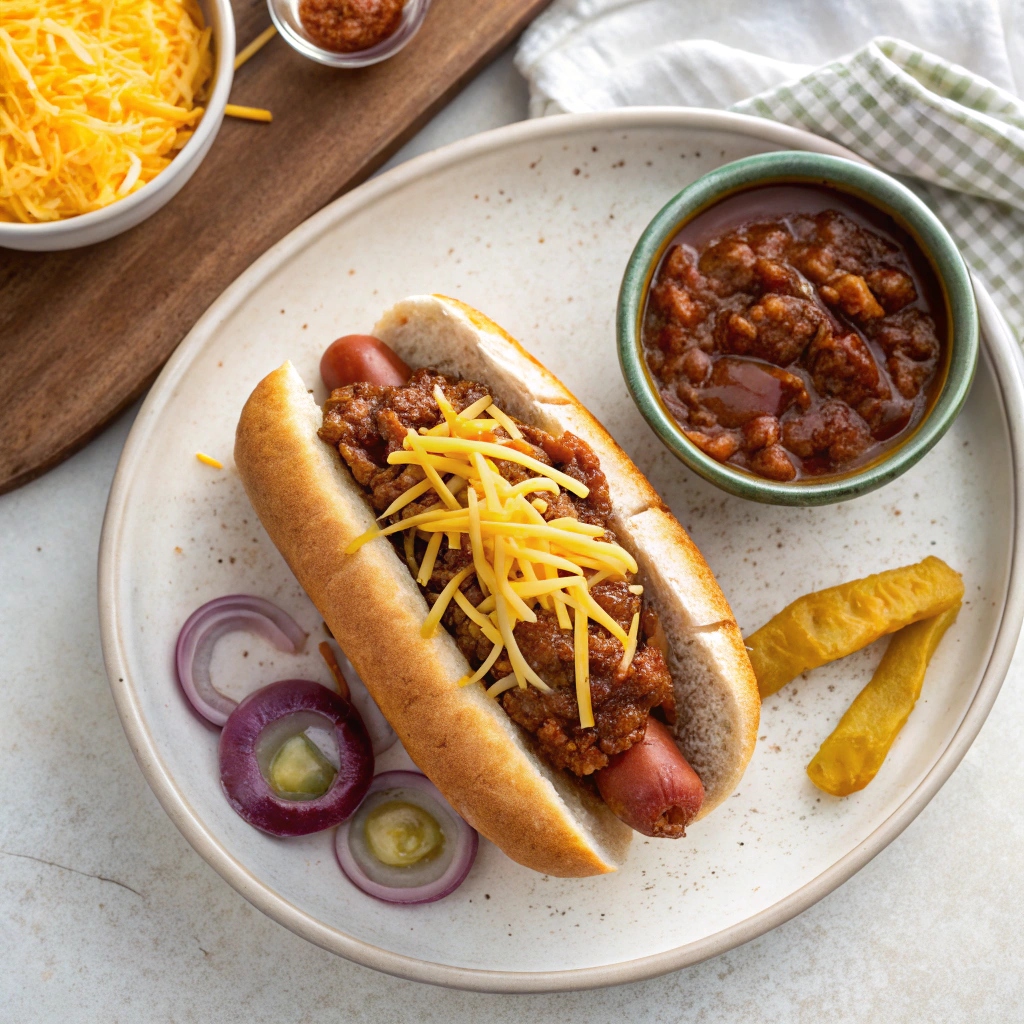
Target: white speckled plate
(533, 224)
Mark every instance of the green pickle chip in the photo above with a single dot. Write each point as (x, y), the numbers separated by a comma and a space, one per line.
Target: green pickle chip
(400, 834)
(300, 770)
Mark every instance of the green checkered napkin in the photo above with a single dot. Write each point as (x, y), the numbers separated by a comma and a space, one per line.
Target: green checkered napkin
(951, 136)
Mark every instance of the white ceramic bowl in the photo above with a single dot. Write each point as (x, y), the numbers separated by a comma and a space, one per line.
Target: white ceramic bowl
(99, 225)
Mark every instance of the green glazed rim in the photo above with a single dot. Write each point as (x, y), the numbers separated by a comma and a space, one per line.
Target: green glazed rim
(885, 194)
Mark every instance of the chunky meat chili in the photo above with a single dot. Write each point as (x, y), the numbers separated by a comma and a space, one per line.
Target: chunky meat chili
(796, 344)
(366, 422)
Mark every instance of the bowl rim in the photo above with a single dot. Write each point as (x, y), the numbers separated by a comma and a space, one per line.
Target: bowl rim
(197, 146)
(413, 14)
(887, 195)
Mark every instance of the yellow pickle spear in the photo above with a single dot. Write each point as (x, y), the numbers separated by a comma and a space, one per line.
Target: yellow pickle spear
(850, 758)
(830, 624)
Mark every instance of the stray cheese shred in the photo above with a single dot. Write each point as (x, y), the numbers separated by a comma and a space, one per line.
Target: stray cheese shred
(255, 46)
(96, 98)
(521, 561)
(248, 113)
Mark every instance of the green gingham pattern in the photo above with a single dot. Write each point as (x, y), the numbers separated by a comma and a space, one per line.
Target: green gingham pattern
(947, 133)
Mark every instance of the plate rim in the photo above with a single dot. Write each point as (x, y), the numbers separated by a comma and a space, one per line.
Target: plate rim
(998, 347)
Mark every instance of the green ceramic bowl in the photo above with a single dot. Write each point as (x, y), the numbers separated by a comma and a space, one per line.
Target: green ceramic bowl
(860, 181)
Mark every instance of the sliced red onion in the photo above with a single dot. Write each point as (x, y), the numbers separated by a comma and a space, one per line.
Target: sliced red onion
(419, 883)
(256, 729)
(206, 625)
(379, 728)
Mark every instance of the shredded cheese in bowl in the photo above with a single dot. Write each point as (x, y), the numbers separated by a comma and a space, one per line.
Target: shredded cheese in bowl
(96, 98)
(521, 561)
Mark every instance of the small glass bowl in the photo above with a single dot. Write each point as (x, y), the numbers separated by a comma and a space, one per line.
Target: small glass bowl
(285, 15)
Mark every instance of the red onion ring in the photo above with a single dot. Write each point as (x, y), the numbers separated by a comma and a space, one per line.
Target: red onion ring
(206, 625)
(248, 731)
(415, 884)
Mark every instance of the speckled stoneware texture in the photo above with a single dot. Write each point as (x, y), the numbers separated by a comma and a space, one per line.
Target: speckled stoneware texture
(533, 224)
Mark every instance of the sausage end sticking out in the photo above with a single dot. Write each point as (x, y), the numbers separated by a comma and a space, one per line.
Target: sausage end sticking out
(651, 787)
(361, 358)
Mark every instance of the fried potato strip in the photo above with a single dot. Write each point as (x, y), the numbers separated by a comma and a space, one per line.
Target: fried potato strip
(850, 758)
(829, 624)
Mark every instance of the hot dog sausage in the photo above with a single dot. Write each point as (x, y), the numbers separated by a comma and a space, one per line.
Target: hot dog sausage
(651, 787)
(359, 358)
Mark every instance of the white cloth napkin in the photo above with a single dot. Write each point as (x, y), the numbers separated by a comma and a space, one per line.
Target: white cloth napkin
(942, 111)
(596, 54)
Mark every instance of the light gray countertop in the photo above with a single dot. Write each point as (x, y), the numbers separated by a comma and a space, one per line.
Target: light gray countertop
(106, 913)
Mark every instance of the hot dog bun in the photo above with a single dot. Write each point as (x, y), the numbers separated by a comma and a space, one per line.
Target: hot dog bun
(462, 740)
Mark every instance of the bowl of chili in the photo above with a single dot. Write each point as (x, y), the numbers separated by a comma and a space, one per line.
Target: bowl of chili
(797, 328)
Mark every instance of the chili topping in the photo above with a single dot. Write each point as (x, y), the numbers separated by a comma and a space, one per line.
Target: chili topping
(576, 671)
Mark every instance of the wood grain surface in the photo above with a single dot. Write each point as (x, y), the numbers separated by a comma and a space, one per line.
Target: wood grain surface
(84, 332)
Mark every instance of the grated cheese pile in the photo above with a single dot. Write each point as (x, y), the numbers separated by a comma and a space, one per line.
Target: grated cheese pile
(96, 97)
(520, 560)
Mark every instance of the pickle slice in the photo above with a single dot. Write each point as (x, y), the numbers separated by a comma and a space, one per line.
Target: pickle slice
(400, 833)
(299, 770)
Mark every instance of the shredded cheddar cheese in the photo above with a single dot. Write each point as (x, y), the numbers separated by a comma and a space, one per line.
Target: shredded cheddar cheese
(209, 460)
(96, 98)
(521, 561)
(255, 46)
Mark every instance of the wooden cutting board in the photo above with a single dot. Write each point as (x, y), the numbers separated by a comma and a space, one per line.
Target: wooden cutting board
(84, 332)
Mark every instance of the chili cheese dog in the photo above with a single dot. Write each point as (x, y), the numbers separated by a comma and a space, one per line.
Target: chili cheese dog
(649, 712)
